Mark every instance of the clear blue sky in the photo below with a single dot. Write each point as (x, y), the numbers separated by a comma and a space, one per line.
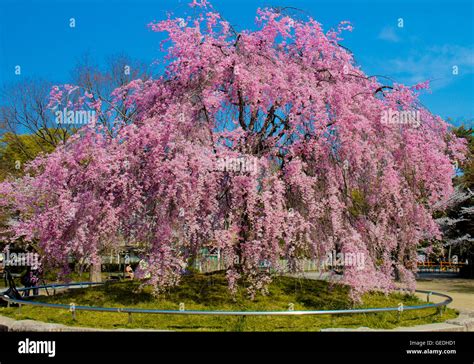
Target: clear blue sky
(436, 36)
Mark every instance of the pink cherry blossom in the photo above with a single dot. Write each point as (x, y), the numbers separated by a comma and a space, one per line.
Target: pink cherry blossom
(329, 174)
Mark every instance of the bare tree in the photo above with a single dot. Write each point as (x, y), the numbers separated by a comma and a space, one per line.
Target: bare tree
(24, 110)
(119, 70)
(24, 105)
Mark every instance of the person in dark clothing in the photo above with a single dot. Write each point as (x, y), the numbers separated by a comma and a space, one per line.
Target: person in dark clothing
(29, 279)
(35, 278)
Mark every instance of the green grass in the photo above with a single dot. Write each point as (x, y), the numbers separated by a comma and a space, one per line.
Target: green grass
(209, 292)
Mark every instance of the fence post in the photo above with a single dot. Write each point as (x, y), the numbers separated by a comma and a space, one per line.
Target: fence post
(72, 308)
(428, 296)
(440, 311)
(130, 319)
(400, 310)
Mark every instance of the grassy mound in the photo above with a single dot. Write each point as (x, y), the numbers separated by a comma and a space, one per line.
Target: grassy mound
(209, 292)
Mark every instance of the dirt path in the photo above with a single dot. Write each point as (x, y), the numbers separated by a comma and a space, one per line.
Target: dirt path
(461, 290)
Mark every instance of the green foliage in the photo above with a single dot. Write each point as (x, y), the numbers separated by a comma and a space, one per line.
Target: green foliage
(359, 204)
(16, 150)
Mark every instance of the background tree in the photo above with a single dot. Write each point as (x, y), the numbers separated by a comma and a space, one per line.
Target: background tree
(457, 221)
(25, 109)
(466, 178)
(100, 82)
(17, 150)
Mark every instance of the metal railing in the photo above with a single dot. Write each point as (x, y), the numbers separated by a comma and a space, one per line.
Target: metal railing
(73, 308)
(439, 267)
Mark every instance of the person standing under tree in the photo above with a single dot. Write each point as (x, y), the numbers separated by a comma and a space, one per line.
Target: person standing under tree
(29, 278)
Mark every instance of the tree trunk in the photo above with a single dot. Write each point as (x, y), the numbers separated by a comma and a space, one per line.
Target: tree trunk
(95, 272)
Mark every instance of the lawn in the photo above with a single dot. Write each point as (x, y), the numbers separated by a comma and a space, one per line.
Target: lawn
(209, 292)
